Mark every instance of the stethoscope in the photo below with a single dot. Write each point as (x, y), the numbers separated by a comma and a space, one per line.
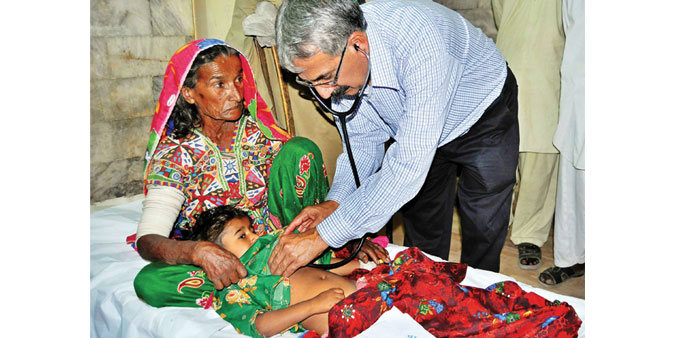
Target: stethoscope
(342, 120)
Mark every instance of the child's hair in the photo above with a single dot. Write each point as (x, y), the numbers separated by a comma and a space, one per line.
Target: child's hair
(212, 222)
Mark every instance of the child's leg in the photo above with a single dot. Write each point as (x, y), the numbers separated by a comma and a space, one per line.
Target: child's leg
(306, 283)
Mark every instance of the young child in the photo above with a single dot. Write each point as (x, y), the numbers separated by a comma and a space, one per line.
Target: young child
(260, 304)
(430, 292)
(312, 292)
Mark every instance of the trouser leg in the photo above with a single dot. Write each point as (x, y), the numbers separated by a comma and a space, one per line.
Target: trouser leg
(484, 218)
(535, 198)
(488, 155)
(569, 217)
(427, 217)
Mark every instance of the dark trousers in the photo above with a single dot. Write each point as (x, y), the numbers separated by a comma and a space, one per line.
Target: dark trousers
(485, 159)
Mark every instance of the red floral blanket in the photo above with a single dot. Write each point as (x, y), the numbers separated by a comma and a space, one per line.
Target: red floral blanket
(430, 292)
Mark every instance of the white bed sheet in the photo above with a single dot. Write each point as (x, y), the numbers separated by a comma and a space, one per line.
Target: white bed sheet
(116, 311)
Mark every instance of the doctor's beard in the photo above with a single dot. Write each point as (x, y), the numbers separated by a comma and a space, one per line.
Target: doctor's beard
(339, 93)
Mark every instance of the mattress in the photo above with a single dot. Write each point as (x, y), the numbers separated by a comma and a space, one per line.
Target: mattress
(116, 311)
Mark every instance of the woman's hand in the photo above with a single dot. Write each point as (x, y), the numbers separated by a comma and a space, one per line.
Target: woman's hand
(221, 266)
(327, 299)
(371, 252)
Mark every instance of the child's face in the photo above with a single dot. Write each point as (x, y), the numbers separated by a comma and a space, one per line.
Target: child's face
(238, 236)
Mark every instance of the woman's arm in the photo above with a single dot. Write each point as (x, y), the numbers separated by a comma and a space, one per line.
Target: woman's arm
(221, 266)
(274, 322)
(155, 248)
(160, 209)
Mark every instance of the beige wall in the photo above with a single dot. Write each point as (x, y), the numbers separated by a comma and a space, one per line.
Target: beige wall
(213, 18)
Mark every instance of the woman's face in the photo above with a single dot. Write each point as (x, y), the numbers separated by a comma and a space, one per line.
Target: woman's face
(238, 236)
(218, 93)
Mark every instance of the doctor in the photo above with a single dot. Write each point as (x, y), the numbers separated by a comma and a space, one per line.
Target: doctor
(437, 86)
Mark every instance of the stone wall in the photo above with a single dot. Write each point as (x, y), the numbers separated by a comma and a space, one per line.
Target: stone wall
(131, 42)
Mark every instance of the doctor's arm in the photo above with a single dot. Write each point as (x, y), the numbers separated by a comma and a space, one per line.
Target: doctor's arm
(426, 79)
(295, 250)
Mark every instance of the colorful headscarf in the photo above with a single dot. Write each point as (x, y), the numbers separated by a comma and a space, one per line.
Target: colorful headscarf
(173, 79)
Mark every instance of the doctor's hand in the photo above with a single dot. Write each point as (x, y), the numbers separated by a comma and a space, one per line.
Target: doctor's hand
(222, 267)
(311, 216)
(294, 251)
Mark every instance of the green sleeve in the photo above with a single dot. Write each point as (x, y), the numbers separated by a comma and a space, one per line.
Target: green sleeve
(159, 284)
(239, 309)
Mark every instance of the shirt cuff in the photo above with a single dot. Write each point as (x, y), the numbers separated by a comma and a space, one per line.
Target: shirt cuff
(333, 231)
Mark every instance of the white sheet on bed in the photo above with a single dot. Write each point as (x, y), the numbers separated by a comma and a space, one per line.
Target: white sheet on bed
(117, 312)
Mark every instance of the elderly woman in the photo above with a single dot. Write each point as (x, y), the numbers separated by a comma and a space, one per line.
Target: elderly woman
(213, 142)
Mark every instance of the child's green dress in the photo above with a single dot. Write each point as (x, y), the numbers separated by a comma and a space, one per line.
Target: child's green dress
(160, 284)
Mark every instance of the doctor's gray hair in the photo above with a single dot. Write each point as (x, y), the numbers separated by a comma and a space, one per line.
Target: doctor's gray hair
(305, 27)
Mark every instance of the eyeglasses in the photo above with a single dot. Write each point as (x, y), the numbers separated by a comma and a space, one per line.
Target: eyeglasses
(325, 83)
(344, 114)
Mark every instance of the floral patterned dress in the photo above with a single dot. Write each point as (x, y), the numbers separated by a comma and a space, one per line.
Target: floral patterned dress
(160, 284)
(210, 176)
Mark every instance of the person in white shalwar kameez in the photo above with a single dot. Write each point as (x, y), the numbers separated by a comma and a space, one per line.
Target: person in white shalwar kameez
(569, 248)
